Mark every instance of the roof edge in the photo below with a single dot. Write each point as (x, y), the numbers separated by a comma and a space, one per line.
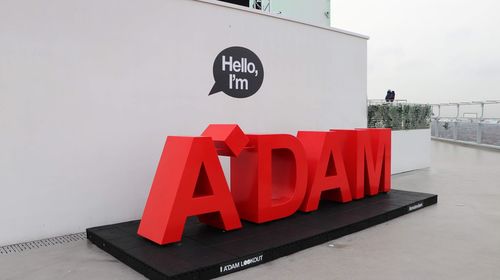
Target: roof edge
(248, 9)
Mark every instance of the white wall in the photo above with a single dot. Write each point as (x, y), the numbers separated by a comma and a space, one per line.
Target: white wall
(411, 150)
(90, 89)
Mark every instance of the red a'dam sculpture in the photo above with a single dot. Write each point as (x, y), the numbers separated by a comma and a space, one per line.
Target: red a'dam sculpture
(272, 176)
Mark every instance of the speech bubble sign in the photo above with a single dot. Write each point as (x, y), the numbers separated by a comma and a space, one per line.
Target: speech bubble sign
(238, 72)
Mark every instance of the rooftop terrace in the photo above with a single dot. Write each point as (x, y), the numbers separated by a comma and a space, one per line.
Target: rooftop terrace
(456, 239)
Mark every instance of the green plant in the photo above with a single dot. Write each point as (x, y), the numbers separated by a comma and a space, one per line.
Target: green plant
(399, 116)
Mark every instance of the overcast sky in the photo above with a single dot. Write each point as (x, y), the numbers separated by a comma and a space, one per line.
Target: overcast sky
(428, 50)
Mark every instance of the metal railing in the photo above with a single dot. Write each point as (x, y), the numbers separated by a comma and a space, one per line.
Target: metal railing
(468, 127)
(262, 5)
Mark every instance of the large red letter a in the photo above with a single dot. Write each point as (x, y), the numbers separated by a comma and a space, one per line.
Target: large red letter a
(189, 182)
(327, 175)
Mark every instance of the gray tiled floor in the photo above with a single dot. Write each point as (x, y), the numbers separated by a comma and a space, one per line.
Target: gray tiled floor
(459, 238)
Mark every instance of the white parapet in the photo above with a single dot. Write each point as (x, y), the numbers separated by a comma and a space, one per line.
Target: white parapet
(411, 150)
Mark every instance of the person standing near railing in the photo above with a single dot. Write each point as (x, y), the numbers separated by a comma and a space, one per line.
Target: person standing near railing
(390, 96)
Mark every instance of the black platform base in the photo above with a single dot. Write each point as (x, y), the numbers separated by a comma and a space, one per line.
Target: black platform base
(208, 253)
